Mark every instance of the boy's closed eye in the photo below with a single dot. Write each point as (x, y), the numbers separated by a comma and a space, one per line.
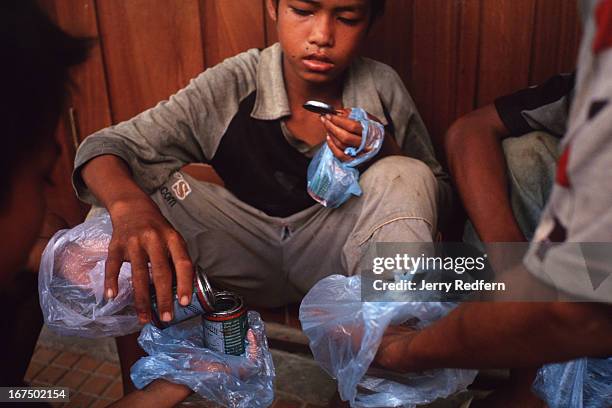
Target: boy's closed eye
(300, 12)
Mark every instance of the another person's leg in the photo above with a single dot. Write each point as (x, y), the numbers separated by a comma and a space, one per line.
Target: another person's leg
(531, 161)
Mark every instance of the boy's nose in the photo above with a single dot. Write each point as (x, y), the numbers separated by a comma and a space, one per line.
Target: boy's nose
(322, 33)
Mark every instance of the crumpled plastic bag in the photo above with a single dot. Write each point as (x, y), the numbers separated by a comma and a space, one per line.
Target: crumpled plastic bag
(177, 354)
(332, 182)
(332, 314)
(71, 284)
(581, 383)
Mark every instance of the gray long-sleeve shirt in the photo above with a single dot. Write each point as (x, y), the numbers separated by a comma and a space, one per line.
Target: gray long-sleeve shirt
(230, 116)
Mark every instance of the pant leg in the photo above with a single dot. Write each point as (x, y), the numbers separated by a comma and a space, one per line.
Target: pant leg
(398, 204)
(236, 245)
(531, 161)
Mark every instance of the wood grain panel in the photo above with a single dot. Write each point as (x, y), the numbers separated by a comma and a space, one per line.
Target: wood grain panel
(435, 61)
(271, 36)
(231, 27)
(556, 38)
(152, 48)
(505, 44)
(87, 105)
(390, 37)
(90, 97)
(467, 57)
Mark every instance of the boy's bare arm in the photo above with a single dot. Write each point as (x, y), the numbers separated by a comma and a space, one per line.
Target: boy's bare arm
(141, 235)
(502, 335)
(478, 167)
(160, 393)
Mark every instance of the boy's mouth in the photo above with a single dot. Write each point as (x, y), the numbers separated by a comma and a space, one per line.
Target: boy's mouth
(318, 63)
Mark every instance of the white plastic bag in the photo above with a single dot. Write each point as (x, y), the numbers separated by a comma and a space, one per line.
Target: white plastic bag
(71, 284)
(177, 354)
(333, 315)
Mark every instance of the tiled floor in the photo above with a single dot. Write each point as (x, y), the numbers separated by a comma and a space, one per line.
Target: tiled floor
(90, 369)
(96, 383)
(92, 382)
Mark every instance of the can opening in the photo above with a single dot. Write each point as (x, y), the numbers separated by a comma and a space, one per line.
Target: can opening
(225, 302)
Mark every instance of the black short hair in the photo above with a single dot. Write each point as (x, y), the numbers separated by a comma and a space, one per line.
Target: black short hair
(378, 9)
(36, 60)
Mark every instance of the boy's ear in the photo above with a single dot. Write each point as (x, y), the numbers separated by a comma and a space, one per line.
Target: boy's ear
(272, 7)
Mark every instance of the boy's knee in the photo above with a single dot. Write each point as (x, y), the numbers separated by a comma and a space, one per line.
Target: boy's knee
(404, 171)
(531, 158)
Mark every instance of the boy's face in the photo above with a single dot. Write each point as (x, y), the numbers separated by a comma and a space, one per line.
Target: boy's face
(22, 213)
(320, 38)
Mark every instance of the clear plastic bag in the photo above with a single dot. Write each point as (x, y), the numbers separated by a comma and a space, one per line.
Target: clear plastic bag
(177, 354)
(71, 284)
(333, 317)
(581, 383)
(332, 182)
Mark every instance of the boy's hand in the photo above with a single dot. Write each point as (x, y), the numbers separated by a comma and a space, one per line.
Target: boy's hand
(342, 132)
(391, 353)
(142, 236)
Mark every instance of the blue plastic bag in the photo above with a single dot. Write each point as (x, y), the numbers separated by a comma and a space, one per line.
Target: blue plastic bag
(581, 383)
(333, 315)
(177, 354)
(332, 182)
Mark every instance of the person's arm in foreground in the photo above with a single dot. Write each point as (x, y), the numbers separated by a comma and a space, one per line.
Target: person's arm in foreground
(477, 163)
(502, 335)
(160, 393)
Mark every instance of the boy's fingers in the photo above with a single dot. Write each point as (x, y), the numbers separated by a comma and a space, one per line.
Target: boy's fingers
(343, 135)
(140, 280)
(343, 138)
(183, 267)
(350, 125)
(338, 152)
(114, 260)
(253, 348)
(343, 112)
(162, 279)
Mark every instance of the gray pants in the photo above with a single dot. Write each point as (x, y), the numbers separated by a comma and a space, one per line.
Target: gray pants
(272, 261)
(531, 160)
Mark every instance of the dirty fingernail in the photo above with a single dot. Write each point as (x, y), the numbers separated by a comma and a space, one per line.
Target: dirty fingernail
(166, 317)
(185, 300)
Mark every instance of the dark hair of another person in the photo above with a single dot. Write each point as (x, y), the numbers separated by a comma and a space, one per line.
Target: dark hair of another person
(377, 9)
(36, 60)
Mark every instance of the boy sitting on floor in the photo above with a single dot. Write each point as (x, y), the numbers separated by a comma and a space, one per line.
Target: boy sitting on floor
(262, 235)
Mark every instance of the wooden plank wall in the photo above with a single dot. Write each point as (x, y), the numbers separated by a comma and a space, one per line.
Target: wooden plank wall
(453, 55)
